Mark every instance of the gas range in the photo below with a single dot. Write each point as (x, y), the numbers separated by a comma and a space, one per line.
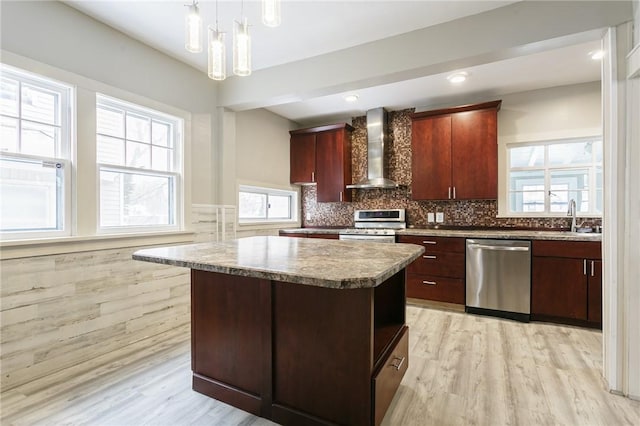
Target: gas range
(375, 225)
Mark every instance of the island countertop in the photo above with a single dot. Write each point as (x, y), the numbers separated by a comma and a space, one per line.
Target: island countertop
(320, 263)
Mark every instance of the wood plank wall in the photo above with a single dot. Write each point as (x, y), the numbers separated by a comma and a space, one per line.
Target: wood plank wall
(60, 310)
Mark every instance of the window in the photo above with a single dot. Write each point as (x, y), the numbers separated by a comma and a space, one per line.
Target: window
(35, 147)
(138, 154)
(257, 204)
(544, 177)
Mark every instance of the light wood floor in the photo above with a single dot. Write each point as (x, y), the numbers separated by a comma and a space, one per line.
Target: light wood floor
(464, 370)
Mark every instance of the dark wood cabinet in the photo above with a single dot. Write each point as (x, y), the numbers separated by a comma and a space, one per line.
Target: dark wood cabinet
(439, 274)
(455, 153)
(299, 354)
(566, 283)
(322, 155)
(302, 158)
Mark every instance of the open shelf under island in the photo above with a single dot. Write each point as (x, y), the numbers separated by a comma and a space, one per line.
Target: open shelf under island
(299, 331)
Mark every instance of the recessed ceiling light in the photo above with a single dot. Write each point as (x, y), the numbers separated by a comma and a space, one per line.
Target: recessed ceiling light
(351, 98)
(458, 77)
(596, 55)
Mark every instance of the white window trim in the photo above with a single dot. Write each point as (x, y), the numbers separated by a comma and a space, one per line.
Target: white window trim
(64, 155)
(295, 201)
(84, 168)
(504, 212)
(177, 168)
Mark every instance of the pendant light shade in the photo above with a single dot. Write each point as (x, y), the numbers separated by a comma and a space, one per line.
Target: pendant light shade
(217, 55)
(241, 48)
(193, 29)
(271, 13)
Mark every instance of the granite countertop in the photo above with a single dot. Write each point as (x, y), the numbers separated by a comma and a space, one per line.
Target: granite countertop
(505, 233)
(321, 263)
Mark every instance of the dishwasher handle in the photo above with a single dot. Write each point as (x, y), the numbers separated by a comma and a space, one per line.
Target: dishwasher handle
(497, 248)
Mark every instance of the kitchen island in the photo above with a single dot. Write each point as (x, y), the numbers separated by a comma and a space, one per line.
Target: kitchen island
(299, 331)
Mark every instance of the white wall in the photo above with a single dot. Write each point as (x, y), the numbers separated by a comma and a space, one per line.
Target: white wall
(553, 113)
(255, 152)
(262, 151)
(636, 21)
(58, 36)
(546, 114)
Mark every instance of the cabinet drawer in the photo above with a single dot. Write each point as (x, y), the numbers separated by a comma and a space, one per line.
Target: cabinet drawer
(571, 249)
(388, 377)
(435, 244)
(450, 290)
(440, 264)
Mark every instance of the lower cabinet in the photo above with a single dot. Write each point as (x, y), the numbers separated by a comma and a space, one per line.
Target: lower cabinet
(566, 282)
(439, 274)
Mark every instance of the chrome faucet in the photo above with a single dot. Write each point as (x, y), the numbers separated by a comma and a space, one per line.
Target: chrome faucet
(572, 213)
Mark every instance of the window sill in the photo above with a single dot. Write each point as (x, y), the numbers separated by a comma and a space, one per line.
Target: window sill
(15, 249)
(268, 225)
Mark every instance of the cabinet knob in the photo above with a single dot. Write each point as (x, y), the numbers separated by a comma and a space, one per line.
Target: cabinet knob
(340, 195)
(429, 282)
(584, 266)
(428, 242)
(429, 256)
(592, 268)
(449, 196)
(454, 192)
(313, 176)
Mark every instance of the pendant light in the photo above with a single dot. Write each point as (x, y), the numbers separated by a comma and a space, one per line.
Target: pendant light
(193, 29)
(241, 46)
(271, 13)
(217, 52)
(217, 55)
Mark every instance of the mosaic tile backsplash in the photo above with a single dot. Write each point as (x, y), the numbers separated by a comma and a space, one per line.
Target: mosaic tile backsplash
(456, 213)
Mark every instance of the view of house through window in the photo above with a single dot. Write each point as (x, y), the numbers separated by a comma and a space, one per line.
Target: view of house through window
(256, 204)
(138, 162)
(34, 155)
(544, 177)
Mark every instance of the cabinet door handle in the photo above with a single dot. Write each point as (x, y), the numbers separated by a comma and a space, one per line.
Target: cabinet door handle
(584, 266)
(340, 195)
(449, 196)
(427, 256)
(592, 268)
(454, 192)
(429, 282)
(428, 242)
(313, 176)
(399, 364)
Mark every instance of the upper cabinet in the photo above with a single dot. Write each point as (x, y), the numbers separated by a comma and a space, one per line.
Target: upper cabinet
(302, 156)
(322, 155)
(455, 153)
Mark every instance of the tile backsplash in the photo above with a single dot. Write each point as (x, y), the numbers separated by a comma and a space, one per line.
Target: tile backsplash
(456, 213)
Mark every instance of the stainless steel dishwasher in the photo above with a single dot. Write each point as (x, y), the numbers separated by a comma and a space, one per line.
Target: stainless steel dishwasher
(499, 278)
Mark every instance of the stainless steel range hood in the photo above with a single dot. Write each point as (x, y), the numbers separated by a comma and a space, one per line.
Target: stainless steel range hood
(376, 135)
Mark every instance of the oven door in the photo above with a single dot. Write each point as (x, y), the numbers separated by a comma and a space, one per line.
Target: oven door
(369, 238)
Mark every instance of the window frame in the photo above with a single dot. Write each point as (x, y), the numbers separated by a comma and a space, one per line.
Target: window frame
(293, 205)
(176, 167)
(547, 169)
(63, 154)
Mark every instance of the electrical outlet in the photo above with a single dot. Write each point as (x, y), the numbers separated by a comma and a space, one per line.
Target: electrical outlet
(430, 217)
(308, 216)
(439, 217)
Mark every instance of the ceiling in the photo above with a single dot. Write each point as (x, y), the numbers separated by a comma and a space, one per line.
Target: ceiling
(311, 28)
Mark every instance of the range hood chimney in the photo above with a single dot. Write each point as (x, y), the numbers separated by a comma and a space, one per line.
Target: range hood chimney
(376, 155)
